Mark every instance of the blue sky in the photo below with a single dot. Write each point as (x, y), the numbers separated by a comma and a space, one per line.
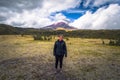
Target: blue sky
(78, 11)
(82, 14)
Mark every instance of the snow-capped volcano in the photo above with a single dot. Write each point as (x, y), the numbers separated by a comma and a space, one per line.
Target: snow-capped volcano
(59, 25)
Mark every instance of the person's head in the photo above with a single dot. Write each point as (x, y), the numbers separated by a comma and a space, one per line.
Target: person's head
(60, 37)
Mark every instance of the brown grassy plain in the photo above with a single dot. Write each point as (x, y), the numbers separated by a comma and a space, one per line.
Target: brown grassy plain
(22, 58)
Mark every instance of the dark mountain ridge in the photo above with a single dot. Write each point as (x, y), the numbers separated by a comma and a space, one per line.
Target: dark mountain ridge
(83, 33)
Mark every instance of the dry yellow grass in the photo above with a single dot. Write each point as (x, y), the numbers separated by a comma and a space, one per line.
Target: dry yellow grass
(22, 58)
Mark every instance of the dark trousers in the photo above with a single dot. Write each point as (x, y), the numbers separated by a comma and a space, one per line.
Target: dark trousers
(58, 59)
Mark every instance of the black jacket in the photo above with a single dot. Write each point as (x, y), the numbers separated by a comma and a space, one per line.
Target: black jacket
(60, 48)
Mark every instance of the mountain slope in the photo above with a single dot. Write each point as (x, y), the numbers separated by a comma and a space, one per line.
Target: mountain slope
(59, 25)
(7, 29)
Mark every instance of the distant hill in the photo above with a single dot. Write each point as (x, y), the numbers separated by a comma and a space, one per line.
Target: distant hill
(60, 28)
(7, 29)
(60, 25)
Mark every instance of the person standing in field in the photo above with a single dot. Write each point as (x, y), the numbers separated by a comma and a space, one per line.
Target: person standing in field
(59, 51)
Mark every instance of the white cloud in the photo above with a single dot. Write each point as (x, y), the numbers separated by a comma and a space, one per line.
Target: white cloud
(87, 3)
(102, 2)
(103, 18)
(41, 16)
(58, 5)
(32, 18)
(98, 3)
(60, 17)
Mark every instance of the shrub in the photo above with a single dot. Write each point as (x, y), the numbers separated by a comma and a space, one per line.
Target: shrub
(45, 38)
(22, 35)
(112, 42)
(115, 42)
(103, 42)
(49, 38)
(67, 39)
(37, 37)
(40, 37)
(118, 42)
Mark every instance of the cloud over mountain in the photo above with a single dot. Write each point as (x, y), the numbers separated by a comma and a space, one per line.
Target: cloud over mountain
(29, 13)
